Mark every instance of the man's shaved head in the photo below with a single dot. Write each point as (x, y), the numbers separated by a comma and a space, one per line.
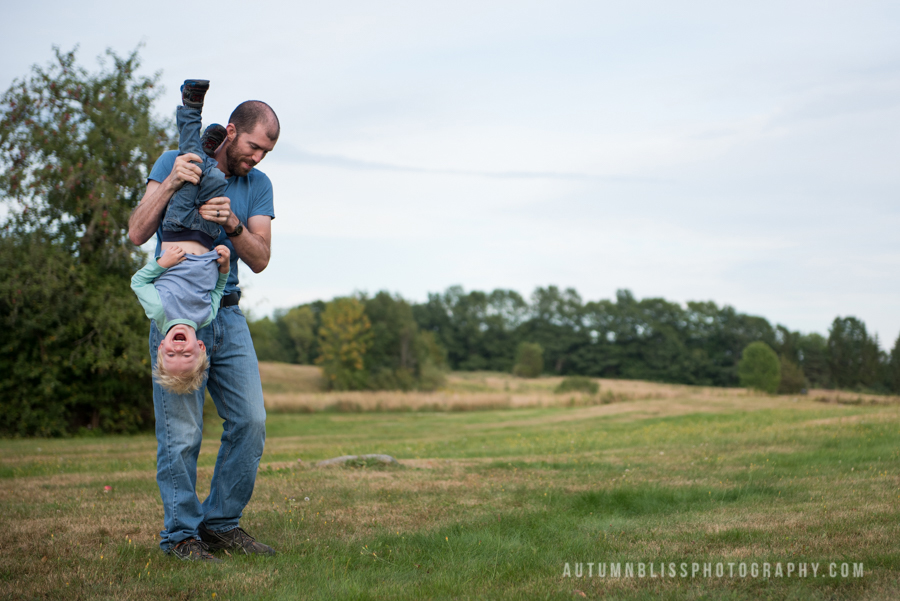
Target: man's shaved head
(251, 113)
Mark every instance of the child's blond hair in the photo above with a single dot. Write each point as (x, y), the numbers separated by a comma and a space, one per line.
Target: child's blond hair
(181, 383)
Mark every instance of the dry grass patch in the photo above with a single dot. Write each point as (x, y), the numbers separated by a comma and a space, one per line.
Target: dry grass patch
(299, 388)
(289, 378)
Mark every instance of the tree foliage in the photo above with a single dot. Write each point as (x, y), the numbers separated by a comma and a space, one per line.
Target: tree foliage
(370, 343)
(529, 360)
(759, 368)
(302, 327)
(344, 338)
(893, 368)
(75, 150)
(271, 341)
(401, 357)
(854, 356)
(792, 378)
(577, 384)
(813, 360)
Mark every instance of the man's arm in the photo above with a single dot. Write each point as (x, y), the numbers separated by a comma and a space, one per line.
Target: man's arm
(146, 217)
(254, 245)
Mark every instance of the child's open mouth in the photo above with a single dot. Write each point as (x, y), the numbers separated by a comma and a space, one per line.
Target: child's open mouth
(179, 337)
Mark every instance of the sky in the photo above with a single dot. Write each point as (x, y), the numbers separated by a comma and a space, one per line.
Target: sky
(744, 153)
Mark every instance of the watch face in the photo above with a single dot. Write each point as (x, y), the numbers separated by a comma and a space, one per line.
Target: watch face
(237, 231)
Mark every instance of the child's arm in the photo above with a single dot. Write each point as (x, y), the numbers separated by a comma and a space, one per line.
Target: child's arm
(142, 282)
(224, 262)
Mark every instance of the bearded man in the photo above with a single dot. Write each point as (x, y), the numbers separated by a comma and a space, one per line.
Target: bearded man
(192, 530)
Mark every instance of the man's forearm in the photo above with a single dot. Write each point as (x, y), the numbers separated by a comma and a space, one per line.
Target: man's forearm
(145, 217)
(253, 246)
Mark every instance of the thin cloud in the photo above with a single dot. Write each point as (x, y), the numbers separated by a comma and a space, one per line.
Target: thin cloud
(287, 153)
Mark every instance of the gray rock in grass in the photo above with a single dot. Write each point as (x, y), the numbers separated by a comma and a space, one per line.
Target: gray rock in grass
(386, 459)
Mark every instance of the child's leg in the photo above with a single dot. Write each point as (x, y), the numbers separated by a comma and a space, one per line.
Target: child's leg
(181, 213)
(188, 121)
(213, 183)
(184, 202)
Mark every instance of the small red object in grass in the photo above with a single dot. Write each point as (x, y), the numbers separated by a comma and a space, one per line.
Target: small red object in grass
(107, 488)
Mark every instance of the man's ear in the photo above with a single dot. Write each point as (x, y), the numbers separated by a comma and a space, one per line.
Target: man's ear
(231, 132)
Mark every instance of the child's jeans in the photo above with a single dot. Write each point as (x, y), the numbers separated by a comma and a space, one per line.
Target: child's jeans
(182, 212)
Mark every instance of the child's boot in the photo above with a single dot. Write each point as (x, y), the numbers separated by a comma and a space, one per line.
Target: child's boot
(193, 91)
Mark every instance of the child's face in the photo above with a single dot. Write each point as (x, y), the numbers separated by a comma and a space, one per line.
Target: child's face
(181, 349)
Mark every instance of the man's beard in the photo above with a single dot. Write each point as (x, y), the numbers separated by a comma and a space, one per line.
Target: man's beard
(233, 161)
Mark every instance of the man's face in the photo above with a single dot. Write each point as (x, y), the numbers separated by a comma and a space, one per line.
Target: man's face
(181, 349)
(247, 150)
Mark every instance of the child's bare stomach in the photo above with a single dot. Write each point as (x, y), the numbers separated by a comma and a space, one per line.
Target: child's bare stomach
(190, 247)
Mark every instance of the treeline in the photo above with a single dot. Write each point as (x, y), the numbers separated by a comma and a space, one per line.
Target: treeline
(653, 339)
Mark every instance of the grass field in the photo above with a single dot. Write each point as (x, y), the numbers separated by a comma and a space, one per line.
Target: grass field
(489, 504)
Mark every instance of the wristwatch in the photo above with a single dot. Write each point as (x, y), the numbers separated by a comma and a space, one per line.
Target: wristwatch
(237, 231)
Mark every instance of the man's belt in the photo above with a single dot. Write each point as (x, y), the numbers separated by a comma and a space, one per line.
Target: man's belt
(230, 300)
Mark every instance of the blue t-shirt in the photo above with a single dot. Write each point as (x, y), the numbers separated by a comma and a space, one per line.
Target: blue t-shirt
(250, 195)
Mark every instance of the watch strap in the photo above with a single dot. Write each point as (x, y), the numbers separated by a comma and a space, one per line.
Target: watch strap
(237, 231)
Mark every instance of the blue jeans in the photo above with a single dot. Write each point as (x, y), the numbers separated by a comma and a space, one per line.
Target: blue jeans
(233, 382)
(182, 214)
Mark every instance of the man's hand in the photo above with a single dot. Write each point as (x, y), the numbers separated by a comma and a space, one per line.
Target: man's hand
(172, 256)
(146, 217)
(224, 259)
(185, 171)
(218, 210)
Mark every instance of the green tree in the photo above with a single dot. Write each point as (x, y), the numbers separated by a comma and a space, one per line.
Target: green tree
(893, 368)
(792, 378)
(853, 356)
(400, 356)
(75, 150)
(759, 368)
(556, 324)
(529, 360)
(344, 338)
(787, 344)
(267, 341)
(432, 362)
(478, 330)
(391, 360)
(813, 355)
(301, 326)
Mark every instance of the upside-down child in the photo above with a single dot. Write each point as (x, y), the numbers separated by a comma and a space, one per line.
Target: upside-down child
(182, 289)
